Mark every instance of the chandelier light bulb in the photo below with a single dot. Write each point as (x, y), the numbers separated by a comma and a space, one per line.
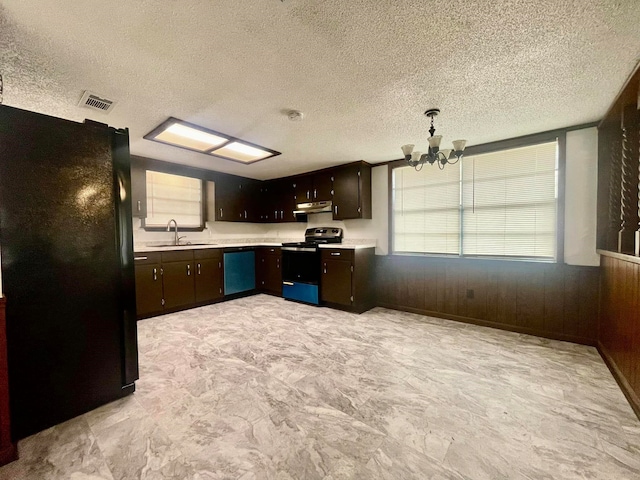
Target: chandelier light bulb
(407, 149)
(446, 152)
(458, 145)
(434, 142)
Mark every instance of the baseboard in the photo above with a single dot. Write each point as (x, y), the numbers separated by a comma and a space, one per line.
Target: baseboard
(500, 326)
(632, 397)
(8, 453)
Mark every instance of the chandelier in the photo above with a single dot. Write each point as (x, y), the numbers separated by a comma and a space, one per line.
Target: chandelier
(434, 154)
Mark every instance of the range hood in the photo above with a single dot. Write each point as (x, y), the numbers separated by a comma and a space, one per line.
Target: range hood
(313, 207)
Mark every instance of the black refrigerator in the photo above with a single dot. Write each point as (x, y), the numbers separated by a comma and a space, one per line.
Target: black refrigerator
(67, 267)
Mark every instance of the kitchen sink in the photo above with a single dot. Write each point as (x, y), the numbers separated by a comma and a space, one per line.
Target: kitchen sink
(165, 245)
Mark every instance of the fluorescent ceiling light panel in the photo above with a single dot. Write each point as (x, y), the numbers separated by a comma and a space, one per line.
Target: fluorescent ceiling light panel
(193, 137)
(241, 152)
(185, 136)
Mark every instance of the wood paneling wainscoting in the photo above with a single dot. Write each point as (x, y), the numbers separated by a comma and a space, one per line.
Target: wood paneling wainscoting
(619, 329)
(549, 300)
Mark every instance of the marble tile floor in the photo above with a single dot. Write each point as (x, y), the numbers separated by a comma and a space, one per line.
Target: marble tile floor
(262, 388)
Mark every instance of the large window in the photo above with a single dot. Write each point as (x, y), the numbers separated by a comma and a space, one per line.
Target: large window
(500, 204)
(173, 197)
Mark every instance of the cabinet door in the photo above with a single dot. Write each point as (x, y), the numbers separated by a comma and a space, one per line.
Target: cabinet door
(336, 282)
(148, 289)
(322, 186)
(178, 283)
(138, 191)
(228, 199)
(208, 279)
(285, 201)
(273, 274)
(346, 192)
(303, 189)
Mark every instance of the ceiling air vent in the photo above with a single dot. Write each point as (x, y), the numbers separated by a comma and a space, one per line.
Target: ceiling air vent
(94, 102)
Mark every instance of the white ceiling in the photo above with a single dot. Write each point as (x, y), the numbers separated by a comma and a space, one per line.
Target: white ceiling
(362, 71)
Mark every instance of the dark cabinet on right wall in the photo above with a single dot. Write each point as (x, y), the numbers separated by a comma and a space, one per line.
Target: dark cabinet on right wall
(352, 191)
(345, 282)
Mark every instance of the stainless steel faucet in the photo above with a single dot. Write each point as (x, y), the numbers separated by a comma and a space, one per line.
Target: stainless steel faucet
(176, 239)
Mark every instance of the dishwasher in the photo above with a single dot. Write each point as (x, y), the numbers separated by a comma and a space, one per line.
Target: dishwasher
(239, 270)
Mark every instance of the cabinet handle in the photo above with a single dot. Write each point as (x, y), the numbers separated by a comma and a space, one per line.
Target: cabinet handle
(162, 302)
(275, 212)
(281, 214)
(335, 209)
(219, 264)
(221, 213)
(199, 271)
(245, 214)
(155, 274)
(139, 258)
(139, 205)
(335, 254)
(288, 283)
(308, 194)
(315, 193)
(188, 269)
(161, 271)
(325, 267)
(220, 289)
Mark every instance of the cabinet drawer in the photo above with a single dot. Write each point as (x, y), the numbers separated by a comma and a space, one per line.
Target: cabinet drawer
(177, 256)
(146, 258)
(207, 253)
(336, 254)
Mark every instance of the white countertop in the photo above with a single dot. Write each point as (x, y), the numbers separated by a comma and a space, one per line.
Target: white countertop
(156, 248)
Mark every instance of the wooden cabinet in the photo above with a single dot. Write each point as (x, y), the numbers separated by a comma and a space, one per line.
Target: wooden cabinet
(149, 299)
(177, 279)
(138, 190)
(346, 281)
(314, 187)
(352, 191)
(269, 270)
(278, 201)
(208, 275)
(178, 285)
(228, 198)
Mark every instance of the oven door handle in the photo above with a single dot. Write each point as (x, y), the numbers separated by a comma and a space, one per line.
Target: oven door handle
(299, 249)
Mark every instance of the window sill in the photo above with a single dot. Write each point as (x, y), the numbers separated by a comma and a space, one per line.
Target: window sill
(478, 259)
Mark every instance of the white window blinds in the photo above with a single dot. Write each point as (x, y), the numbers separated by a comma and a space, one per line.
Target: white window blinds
(509, 202)
(499, 204)
(173, 196)
(426, 210)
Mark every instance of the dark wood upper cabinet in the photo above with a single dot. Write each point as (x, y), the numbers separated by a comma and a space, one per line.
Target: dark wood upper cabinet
(282, 200)
(314, 187)
(322, 186)
(303, 188)
(138, 191)
(352, 191)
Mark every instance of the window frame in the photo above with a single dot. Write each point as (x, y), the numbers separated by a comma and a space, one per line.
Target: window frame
(203, 205)
(528, 140)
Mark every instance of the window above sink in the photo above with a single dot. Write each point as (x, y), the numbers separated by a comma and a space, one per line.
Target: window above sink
(176, 197)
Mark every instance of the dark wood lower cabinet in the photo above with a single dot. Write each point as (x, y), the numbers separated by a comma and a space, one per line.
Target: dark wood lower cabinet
(269, 270)
(178, 284)
(209, 277)
(174, 280)
(346, 278)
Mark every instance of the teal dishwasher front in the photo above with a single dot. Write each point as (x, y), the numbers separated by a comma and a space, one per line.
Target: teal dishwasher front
(239, 271)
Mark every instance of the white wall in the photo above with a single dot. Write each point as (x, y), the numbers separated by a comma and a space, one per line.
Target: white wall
(581, 198)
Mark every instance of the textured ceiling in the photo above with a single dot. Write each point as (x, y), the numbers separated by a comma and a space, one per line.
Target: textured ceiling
(362, 71)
